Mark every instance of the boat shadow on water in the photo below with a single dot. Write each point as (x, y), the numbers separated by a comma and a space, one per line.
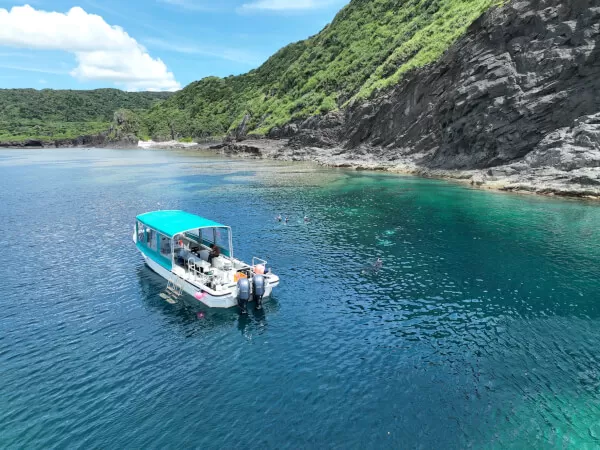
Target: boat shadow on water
(192, 316)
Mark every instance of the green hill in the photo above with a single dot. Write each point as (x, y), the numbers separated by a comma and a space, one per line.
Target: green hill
(368, 47)
(51, 114)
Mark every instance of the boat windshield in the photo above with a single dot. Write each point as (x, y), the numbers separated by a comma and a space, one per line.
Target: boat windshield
(222, 240)
(205, 237)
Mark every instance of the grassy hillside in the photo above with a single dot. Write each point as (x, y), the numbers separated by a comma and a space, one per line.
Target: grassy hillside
(368, 47)
(50, 114)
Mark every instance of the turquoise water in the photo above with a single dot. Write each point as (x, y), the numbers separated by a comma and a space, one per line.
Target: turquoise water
(481, 329)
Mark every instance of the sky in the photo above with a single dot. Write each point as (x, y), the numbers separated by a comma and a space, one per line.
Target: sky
(136, 45)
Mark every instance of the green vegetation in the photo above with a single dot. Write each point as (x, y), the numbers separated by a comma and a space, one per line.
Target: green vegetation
(49, 114)
(21, 130)
(369, 46)
(125, 123)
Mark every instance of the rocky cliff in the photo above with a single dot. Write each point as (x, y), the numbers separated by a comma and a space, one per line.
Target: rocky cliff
(514, 104)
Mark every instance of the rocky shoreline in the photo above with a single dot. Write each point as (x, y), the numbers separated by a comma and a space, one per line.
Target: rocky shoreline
(89, 141)
(580, 182)
(101, 141)
(517, 177)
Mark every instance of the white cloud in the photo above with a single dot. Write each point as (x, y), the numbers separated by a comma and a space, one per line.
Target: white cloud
(284, 5)
(103, 52)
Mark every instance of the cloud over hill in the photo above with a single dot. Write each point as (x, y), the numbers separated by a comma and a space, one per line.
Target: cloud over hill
(103, 52)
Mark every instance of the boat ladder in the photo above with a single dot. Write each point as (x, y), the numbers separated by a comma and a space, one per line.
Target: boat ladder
(174, 290)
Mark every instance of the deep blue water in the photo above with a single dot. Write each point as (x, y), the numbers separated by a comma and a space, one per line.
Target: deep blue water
(481, 330)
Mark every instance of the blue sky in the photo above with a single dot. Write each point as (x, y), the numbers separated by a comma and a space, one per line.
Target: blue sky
(146, 44)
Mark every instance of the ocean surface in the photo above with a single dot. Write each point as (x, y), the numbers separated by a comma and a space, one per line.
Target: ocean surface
(482, 329)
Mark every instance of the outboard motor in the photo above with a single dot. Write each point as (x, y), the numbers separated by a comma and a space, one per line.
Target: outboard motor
(258, 282)
(243, 286)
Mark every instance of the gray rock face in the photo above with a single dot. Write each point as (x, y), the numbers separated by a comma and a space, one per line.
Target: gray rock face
(521, 91)
(94, 140)
(568, 149)
(240, 132)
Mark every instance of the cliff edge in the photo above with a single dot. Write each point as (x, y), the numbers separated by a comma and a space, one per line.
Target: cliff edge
(514, 104)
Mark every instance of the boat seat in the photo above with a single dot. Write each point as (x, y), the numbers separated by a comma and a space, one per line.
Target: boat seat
(221, 263)
(204, 254)
(205, 265)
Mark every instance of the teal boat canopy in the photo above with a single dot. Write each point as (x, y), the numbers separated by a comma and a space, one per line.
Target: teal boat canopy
(171, 223)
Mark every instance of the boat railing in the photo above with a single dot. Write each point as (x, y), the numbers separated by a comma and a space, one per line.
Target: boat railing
(204, 279)
(193, 266)
(196, 269)
(258, 262)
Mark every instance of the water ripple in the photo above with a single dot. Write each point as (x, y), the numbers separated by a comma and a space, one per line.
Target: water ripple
(480, 329)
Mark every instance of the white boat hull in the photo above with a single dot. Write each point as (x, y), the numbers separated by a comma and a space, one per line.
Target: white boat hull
(205, 295)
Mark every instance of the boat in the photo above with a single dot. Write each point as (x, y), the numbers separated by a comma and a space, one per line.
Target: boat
(195, 256)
